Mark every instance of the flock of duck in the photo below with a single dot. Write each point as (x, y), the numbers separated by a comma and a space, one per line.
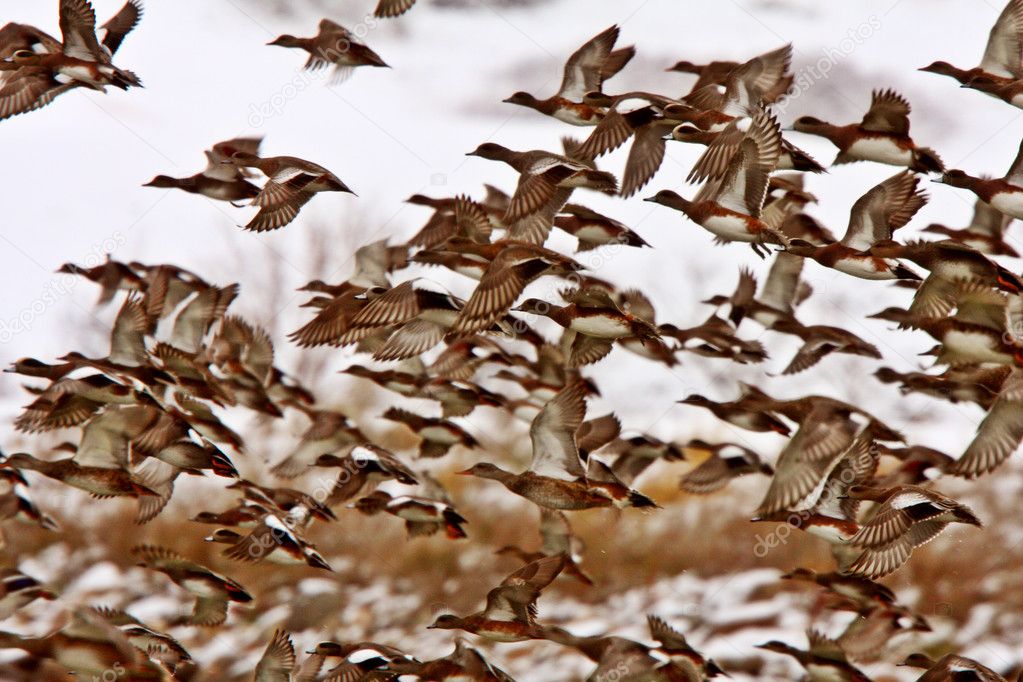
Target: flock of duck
(150, 411)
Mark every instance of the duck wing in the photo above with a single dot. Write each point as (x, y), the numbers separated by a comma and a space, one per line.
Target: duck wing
(746, 85)
(585, 68)
(28, 88)
(1002, 55)
(552, 434)
(78, 28)
(998, 435)
(782, 282)
(392, 8)
(806, 460)
(888, 113)
(278, 659)
(120, 25)
(127, 338)
(883, 209)
(744, 185)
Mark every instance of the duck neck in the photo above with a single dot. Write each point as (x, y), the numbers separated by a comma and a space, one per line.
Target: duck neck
(821, 128)
(679, 203)
(499, 474)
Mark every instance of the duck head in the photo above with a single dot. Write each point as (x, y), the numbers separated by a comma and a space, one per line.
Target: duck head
(483, 470)
(954, 178)
(801, 247)
(287, 40)
(684, 66)
(667, 197)
(166, 181)
(687, 132)
(327, 649)
(941, 68)
(535, 306)
(446, 621)
(521, 98)
(223, 535)
(490, 150)
(808, 124)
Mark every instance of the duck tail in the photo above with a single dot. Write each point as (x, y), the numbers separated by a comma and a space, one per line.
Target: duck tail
(964, 515)
(926, 160)
(222, 466)
(637, 499)
(125, 79)
(902, 272)
(1009, 281)
(801, 161)
(602, 181)
(454, 531)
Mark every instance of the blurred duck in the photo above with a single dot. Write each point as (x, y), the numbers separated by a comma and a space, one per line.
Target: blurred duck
(730, 208)
(716, 338)
(358, 661)
(595, 322)
(219, 180)
(392, 8)
(510, 613)
(691, 663)
(276, 539)
(999, 434)
(508, 267)
(906, 517)
(557, 478)
(545, 180)
(594, 230)
(953, 267)
(1002, 55)
(819, 341)
(411, 319)
(438, 435)
(292, 183)
(112, 276)
(882, 136)
(422, 516)
(951, 667)
(464, 663)
(825, 660)
(810, 458)
(100, 464)
(874, 217)
(724, 462)
(1003, 194)
(740, 413)
(278, 659)
(782, 293)
(364, 465)
(18, 590)
(864, 594)
(213, 591)
(985, 233)
(35, 68)
(558, 540)
(585, 72)
(335, 46)
(87, 645)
